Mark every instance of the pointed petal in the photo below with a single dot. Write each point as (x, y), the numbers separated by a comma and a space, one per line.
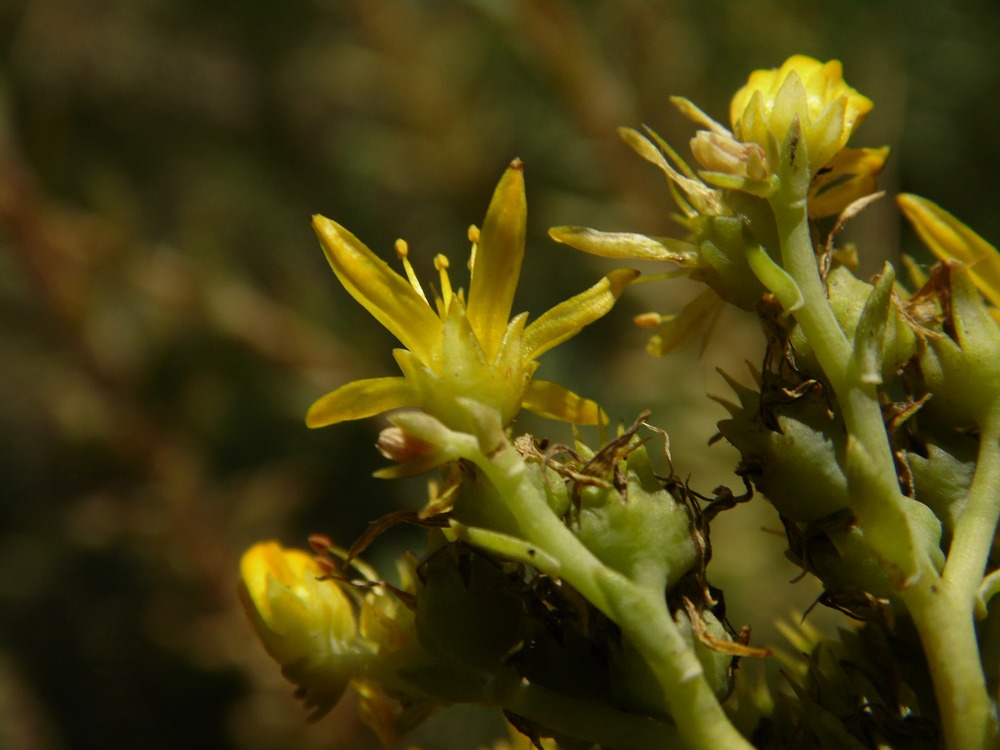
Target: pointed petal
(827, 134)
(557, 402)
(379, 289)
(497, 265)
(950, 239)
(790, 103)
(703, 197)
(850, 175)
(415, 467)
(691, 111)
(626, 245)
(680, 331)
(566, 319)
(359, 399)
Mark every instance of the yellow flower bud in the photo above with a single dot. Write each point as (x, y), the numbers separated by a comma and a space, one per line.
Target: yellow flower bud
(718, 152)
(306, 623)
(803, 89)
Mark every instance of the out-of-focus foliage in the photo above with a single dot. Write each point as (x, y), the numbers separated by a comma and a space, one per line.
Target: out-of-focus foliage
(167, 316)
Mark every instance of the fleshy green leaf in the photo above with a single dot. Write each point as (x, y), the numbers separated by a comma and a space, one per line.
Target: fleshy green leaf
(775, 278)
(507, 546)
(869, 336)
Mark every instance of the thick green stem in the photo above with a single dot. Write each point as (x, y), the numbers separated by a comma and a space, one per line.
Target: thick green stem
(976, 526)
(876, 499)
(642, 616)
(941, 609)
(948, 635)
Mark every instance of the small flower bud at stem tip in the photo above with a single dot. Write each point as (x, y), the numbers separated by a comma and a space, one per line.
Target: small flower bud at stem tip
(397, 445)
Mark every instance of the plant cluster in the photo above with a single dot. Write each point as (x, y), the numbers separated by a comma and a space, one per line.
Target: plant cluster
(567, 584)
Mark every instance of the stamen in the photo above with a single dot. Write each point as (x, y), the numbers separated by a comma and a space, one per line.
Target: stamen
(441, 264)
(403, 253)
(648, 320)
(474, 239)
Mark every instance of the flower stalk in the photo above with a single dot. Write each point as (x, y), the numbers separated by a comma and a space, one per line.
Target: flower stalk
(942, 607)
(641, 613)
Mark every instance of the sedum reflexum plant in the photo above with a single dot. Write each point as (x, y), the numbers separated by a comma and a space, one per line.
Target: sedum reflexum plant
(567, 585)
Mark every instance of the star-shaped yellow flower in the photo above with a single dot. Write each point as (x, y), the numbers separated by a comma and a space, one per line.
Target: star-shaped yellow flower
(457, 348)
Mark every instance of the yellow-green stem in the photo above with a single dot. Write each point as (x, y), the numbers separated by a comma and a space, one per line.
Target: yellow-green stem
(976, 526)
(643, 618)
(945, 626)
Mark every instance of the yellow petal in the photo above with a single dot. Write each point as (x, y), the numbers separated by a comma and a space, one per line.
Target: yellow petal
(790, 103)
(850, 175)
(690, 110)
(258, 565)
(359, 399)
(566, 319)
(626, 245)
(950, 239)
(680, 331)
(497, 264)
(826, 134)
(556, 402)
(377, 711)
(704, 198)
(379, 289)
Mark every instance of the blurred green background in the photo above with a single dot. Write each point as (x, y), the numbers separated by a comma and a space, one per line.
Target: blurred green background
(167, 316)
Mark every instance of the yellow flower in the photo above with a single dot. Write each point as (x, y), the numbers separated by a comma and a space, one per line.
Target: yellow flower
(747, 159)
(458, 348)
(814, 93)
(306, 622)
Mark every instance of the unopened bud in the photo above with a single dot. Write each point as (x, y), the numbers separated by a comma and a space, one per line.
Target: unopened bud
(723, 153)
(398, 445)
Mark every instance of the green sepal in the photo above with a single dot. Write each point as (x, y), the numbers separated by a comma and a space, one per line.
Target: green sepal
(961, 369)
(791, 453)
(942, 473)
(466, 614)
(722, 244)
(793, 169)
(849, 297)
(869, 335)
(643, 534)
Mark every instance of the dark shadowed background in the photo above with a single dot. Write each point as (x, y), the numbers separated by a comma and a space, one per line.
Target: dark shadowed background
(167, 315)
